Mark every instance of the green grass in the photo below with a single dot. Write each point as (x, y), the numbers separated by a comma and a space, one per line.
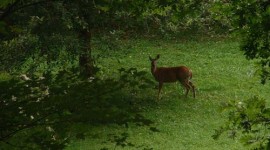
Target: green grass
(220, 73)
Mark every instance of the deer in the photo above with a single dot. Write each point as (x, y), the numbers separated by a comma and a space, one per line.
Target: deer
(172, 74)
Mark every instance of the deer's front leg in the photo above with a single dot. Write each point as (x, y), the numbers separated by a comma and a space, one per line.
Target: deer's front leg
(159, 88)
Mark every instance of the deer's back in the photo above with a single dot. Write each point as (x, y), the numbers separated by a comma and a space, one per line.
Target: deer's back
(172, 74)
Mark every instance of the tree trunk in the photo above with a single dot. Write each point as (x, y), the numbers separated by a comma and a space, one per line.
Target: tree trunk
(86, 63)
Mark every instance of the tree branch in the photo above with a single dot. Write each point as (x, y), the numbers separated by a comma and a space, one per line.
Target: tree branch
(32, 4)
(9, 9)
(12, 8)
(12, 145)
(30, 125)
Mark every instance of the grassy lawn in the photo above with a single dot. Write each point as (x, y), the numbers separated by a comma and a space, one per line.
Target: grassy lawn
(220, 73)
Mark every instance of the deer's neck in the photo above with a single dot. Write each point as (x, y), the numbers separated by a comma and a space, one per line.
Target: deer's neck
(153, 70)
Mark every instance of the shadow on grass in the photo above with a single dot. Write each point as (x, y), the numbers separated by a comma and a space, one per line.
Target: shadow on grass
(39, 113)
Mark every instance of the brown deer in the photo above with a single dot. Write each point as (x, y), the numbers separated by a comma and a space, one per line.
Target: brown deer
(172, 74)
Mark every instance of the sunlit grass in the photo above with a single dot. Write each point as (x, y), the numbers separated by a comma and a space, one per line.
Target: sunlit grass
(221, 73)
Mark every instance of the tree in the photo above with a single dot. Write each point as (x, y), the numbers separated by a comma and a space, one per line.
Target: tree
(250, 19)
(49, 33)
(82, 20)
(54, 19)
(249, 119)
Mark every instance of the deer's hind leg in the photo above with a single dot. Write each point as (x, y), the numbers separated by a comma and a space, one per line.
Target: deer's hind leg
(187, 86)
(193, 88)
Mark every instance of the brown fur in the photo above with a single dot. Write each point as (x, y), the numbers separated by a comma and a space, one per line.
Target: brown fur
(172, 74)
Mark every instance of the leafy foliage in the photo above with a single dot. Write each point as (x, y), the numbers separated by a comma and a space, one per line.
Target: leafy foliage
(38, 112)
(68, 26)
(250, 120)
(15, 51)
(251, 19)
(26, 54)
(49, 38)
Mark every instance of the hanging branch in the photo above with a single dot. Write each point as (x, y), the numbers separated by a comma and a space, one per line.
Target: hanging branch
(9, 9)
(26, 126)
(15, 7)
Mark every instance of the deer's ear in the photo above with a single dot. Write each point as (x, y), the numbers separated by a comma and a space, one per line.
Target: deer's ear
(158, 56)
(150, 58)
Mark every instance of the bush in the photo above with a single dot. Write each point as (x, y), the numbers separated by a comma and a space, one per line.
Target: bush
(249, 119)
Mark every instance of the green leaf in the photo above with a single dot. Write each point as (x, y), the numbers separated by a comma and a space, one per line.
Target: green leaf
(103, 8)
(5, 3)
(268, 10)
(3, 29)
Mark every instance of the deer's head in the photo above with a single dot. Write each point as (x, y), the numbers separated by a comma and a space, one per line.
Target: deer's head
(154, 61)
